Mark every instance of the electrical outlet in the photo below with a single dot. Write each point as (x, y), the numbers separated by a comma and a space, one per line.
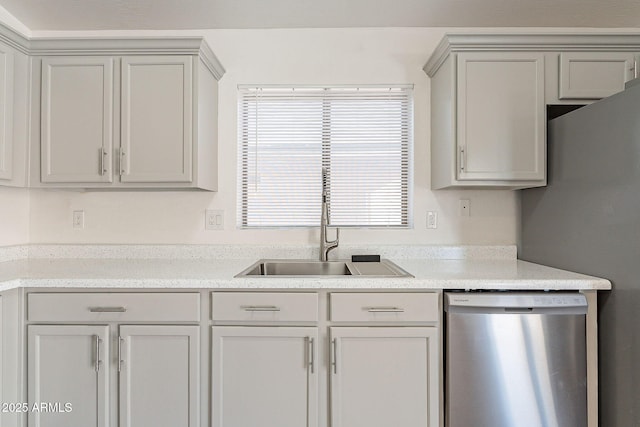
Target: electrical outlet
(78, 219)
(214, 219)
(432, 219)
(465, 207)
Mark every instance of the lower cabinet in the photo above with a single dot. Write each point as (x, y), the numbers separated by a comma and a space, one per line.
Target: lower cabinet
(157, 371)
(273, 359)
(265, 376)
(349, 359)
(66, 366)
(384, 376)
(159, 376)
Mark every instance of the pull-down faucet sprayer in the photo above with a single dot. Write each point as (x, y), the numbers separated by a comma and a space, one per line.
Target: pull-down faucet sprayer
(325, 245)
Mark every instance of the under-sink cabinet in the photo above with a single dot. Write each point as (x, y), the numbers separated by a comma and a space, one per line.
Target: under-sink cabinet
(331, 358)
(139, 120)
(114, 356)
(265, 367)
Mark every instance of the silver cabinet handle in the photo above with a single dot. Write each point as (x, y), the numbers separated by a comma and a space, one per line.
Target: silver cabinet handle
(462, 165)
(334, 355)
(103, 155)
(260, 308)
(98, 360)
(122, 169)
(120, 360)
(312, 356)
(107, 309)
(384, 309)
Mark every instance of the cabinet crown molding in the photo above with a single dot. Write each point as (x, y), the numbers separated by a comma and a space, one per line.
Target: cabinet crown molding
(114, 46)
(550, 42)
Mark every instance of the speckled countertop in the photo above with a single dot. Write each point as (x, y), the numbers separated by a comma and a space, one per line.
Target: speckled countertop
(219, 274)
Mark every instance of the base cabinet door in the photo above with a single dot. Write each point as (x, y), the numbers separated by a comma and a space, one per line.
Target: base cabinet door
(384, 376)
(159, 376)
(68, 374)
(264, 376)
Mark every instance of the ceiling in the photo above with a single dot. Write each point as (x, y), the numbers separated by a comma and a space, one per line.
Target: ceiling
(43, 15)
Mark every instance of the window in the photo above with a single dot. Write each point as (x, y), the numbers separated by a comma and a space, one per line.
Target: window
(363, 137)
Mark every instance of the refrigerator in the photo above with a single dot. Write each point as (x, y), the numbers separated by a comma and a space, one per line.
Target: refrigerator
(587, 219)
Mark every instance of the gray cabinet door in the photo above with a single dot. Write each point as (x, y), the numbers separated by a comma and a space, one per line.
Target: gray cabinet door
(157, 119)
(77, 119)
(264, 376)
(383, 377)
(6, 109)
(68, 365)
(594, 75)
(501, 116)
(159, 376)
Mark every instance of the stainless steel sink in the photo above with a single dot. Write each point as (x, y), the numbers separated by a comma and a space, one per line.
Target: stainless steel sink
(307, 268)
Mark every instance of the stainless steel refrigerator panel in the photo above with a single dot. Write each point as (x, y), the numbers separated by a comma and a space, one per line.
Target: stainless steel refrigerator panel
(508, 370)
(588, 220)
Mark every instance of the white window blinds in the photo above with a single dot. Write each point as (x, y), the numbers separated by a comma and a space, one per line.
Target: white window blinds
(363, 136)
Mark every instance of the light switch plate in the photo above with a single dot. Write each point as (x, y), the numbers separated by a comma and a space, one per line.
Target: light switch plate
(214, 219)
(432, 219)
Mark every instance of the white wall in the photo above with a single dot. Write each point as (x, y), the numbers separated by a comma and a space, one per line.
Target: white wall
(14, 216)
(295, 56)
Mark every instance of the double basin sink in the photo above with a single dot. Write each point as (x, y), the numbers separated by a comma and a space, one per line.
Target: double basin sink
(308, 268)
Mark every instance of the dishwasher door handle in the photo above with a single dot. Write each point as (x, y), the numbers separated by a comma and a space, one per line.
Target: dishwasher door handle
(518, 309)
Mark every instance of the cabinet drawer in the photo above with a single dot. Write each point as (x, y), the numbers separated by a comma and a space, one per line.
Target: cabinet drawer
(107, 307)
(384, 307)
(265, 306)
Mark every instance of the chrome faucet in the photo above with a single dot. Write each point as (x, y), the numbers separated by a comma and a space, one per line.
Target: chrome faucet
(325, 245)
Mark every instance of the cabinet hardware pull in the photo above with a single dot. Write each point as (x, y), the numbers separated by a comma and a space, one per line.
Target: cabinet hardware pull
(462, 165)
(98, 361)
(103, 155)
(384, 309)
(120, 361)
(122, 171)
(334, 354)
(107, 309)
(260, 308)
(312, 362)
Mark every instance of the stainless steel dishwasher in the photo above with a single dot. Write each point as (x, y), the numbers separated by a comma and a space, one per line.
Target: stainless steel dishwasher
(515, 359)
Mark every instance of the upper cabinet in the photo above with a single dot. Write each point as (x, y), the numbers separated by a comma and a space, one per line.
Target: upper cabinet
(594, 75)
(6, 97)
(489, 95)
(13, 109)
(500, 116)
(130, 121)
(77, 119)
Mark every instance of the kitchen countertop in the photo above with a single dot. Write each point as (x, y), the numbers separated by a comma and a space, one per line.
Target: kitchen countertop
(219, 274)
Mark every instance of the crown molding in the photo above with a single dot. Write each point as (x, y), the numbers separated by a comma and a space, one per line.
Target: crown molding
(451, 43)
(48, 46)
(14, 39)
(211, 61)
